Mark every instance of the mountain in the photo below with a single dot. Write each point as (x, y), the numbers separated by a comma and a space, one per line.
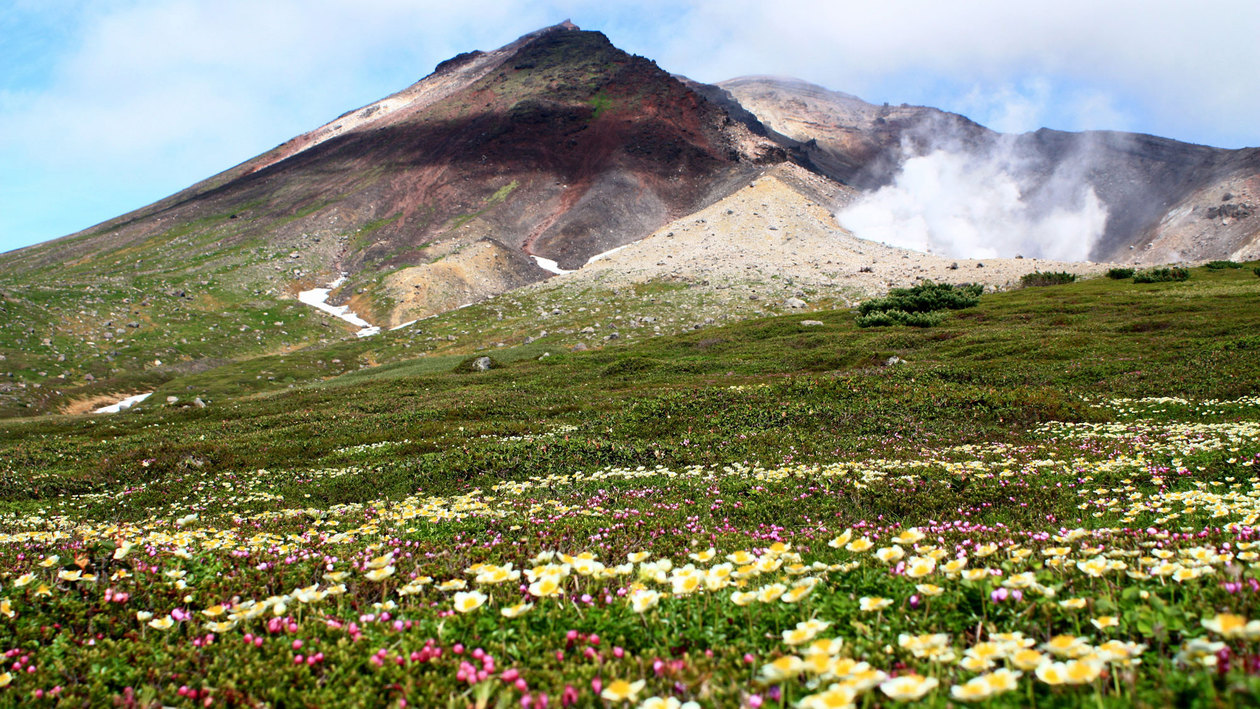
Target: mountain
(500, 170)
(1165, 200)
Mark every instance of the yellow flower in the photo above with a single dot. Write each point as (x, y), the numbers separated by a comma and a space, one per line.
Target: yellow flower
(22, 580)
(785, 667)
(545, 587)
(908, 537)
(703, 556)
(6, 608)
(825, 646)
(66, 575)
(622, 691)
(636, 557)
(927, 589)
(743, 598)
(837, 696)
(1105, 621)
(380, 562)
(1071, 672)
(213, 611)
(1027, 659)
(516, 611)
(974, 690)
(644, 600)
(162, 623)
(874, 604)
(908, 687)
(975, 574)
(336, 576)
(453, 585)
(771, 593)
(797, 593)
(666, 703)
(841, 540)
(920, 566)
(1002, 680)
(858, 546)
(890, 555)
(50, 561)
(380, 574)
(143, 616)
(804, 632)
(1072, 603)
(6, 679)
(1230, 625)
(469, 601)
(1066, 646)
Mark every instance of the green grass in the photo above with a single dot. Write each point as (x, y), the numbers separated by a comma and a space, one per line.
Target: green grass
(1011, 423)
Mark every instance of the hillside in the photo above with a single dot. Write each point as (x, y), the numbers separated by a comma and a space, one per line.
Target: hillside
(679, 518)
(522, 193)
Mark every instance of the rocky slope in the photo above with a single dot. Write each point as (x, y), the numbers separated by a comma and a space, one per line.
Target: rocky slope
(1165, 200)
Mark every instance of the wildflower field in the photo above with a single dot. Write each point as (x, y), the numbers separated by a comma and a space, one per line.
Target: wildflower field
(1052, 502)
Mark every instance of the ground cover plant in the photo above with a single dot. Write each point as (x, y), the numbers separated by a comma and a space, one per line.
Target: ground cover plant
(923, 305)
(1120, 274)
(1161, 275)
(1047, 278)
(1050, 501)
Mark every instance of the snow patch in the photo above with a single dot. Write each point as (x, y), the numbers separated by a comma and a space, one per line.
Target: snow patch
(608, 253)
(548, 265)
(406, 324)
(124, 404)
(318, 298)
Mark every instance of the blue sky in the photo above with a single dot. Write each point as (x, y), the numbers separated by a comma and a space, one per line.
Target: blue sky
(108, 105)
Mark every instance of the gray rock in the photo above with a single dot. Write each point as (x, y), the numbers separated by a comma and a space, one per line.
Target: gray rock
(172, 399)
(580, 347)
(794, 303)
(481, 364)
(199, 403)
(811, 323)
(894, 360)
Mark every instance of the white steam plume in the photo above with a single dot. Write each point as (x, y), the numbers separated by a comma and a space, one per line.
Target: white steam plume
(961, 204)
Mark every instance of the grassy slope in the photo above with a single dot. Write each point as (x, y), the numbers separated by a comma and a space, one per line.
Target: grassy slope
(1017, 359)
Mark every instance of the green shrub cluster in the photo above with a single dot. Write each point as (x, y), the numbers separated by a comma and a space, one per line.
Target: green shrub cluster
(1221, 265)
(883, 318)
(920, 306)
(1256, 270)
(1046, 278)
(1119, 274)
(1161, 275)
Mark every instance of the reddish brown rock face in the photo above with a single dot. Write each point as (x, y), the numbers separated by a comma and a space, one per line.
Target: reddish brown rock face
(558, 145)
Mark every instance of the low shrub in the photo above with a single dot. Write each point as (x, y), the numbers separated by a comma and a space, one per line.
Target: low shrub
(1119, 274)
(884, 318)
(1221, 265)
(926, 297)
(1256, 270)
(1046, 278)
(1161, 275)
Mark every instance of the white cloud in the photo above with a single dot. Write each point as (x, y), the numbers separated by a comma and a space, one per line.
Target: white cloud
(1183, 66)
